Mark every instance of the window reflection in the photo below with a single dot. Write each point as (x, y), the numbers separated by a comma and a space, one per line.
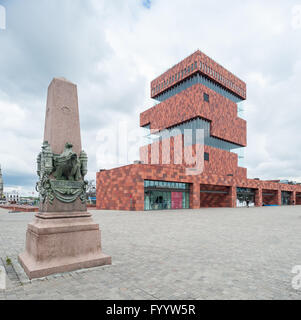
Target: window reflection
(160, 195)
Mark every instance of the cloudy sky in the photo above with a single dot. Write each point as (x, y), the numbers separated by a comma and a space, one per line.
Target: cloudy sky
(113, 49)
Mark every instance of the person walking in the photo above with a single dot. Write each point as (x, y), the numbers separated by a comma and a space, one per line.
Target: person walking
(248, 201)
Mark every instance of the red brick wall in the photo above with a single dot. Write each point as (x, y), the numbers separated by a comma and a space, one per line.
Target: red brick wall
(220, 162)
(115, 186)
(198, 57)
(258, 197)
(190, 104)
(298, 199)
(293, 197)
(270, 197)
(120, 189)
(23, 208)
(215, 199)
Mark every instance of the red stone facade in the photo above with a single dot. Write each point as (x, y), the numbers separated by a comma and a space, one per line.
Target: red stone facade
(198, 62)
(123, 188)
(216, 184)
(220, 162)
(298, 197)
(189, 104)
(22, 208)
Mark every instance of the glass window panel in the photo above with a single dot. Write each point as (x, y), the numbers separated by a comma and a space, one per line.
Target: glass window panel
(186, 197)
(147, 200)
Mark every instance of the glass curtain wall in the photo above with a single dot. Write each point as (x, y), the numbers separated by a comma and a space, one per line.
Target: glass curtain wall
(194, 79)
(244, 195)
(193, 125)
(285, 198)
(162, 195)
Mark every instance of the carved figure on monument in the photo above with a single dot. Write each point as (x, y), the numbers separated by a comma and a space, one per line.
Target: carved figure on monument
(68, 165)
(61, 175)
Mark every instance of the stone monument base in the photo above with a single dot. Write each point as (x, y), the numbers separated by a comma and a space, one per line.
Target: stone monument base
(60, 242)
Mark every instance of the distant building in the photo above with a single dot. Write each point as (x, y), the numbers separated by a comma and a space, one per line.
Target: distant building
(91, 192)
(12, 196)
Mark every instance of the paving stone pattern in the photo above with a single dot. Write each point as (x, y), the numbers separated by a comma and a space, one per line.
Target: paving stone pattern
(212, 253)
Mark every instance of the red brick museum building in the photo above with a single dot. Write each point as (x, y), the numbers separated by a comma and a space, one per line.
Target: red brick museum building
(197, 93)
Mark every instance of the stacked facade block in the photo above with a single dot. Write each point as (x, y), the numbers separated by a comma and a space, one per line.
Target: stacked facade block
(195, 88)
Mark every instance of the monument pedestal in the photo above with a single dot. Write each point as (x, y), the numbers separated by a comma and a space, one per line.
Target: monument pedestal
(61, 242)
(63, 236)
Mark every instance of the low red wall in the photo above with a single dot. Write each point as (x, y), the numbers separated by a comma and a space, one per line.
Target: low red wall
(15, 207)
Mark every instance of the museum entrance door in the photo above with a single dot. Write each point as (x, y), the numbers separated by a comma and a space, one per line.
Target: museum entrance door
(176, 200)
(161, 195)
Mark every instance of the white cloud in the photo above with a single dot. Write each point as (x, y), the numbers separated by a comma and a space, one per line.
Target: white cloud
(12, 115)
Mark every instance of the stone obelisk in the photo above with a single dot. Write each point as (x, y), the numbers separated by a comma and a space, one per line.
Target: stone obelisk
(63, 236)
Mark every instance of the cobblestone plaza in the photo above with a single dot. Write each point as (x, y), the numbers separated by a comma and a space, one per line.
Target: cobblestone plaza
(214, 253)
